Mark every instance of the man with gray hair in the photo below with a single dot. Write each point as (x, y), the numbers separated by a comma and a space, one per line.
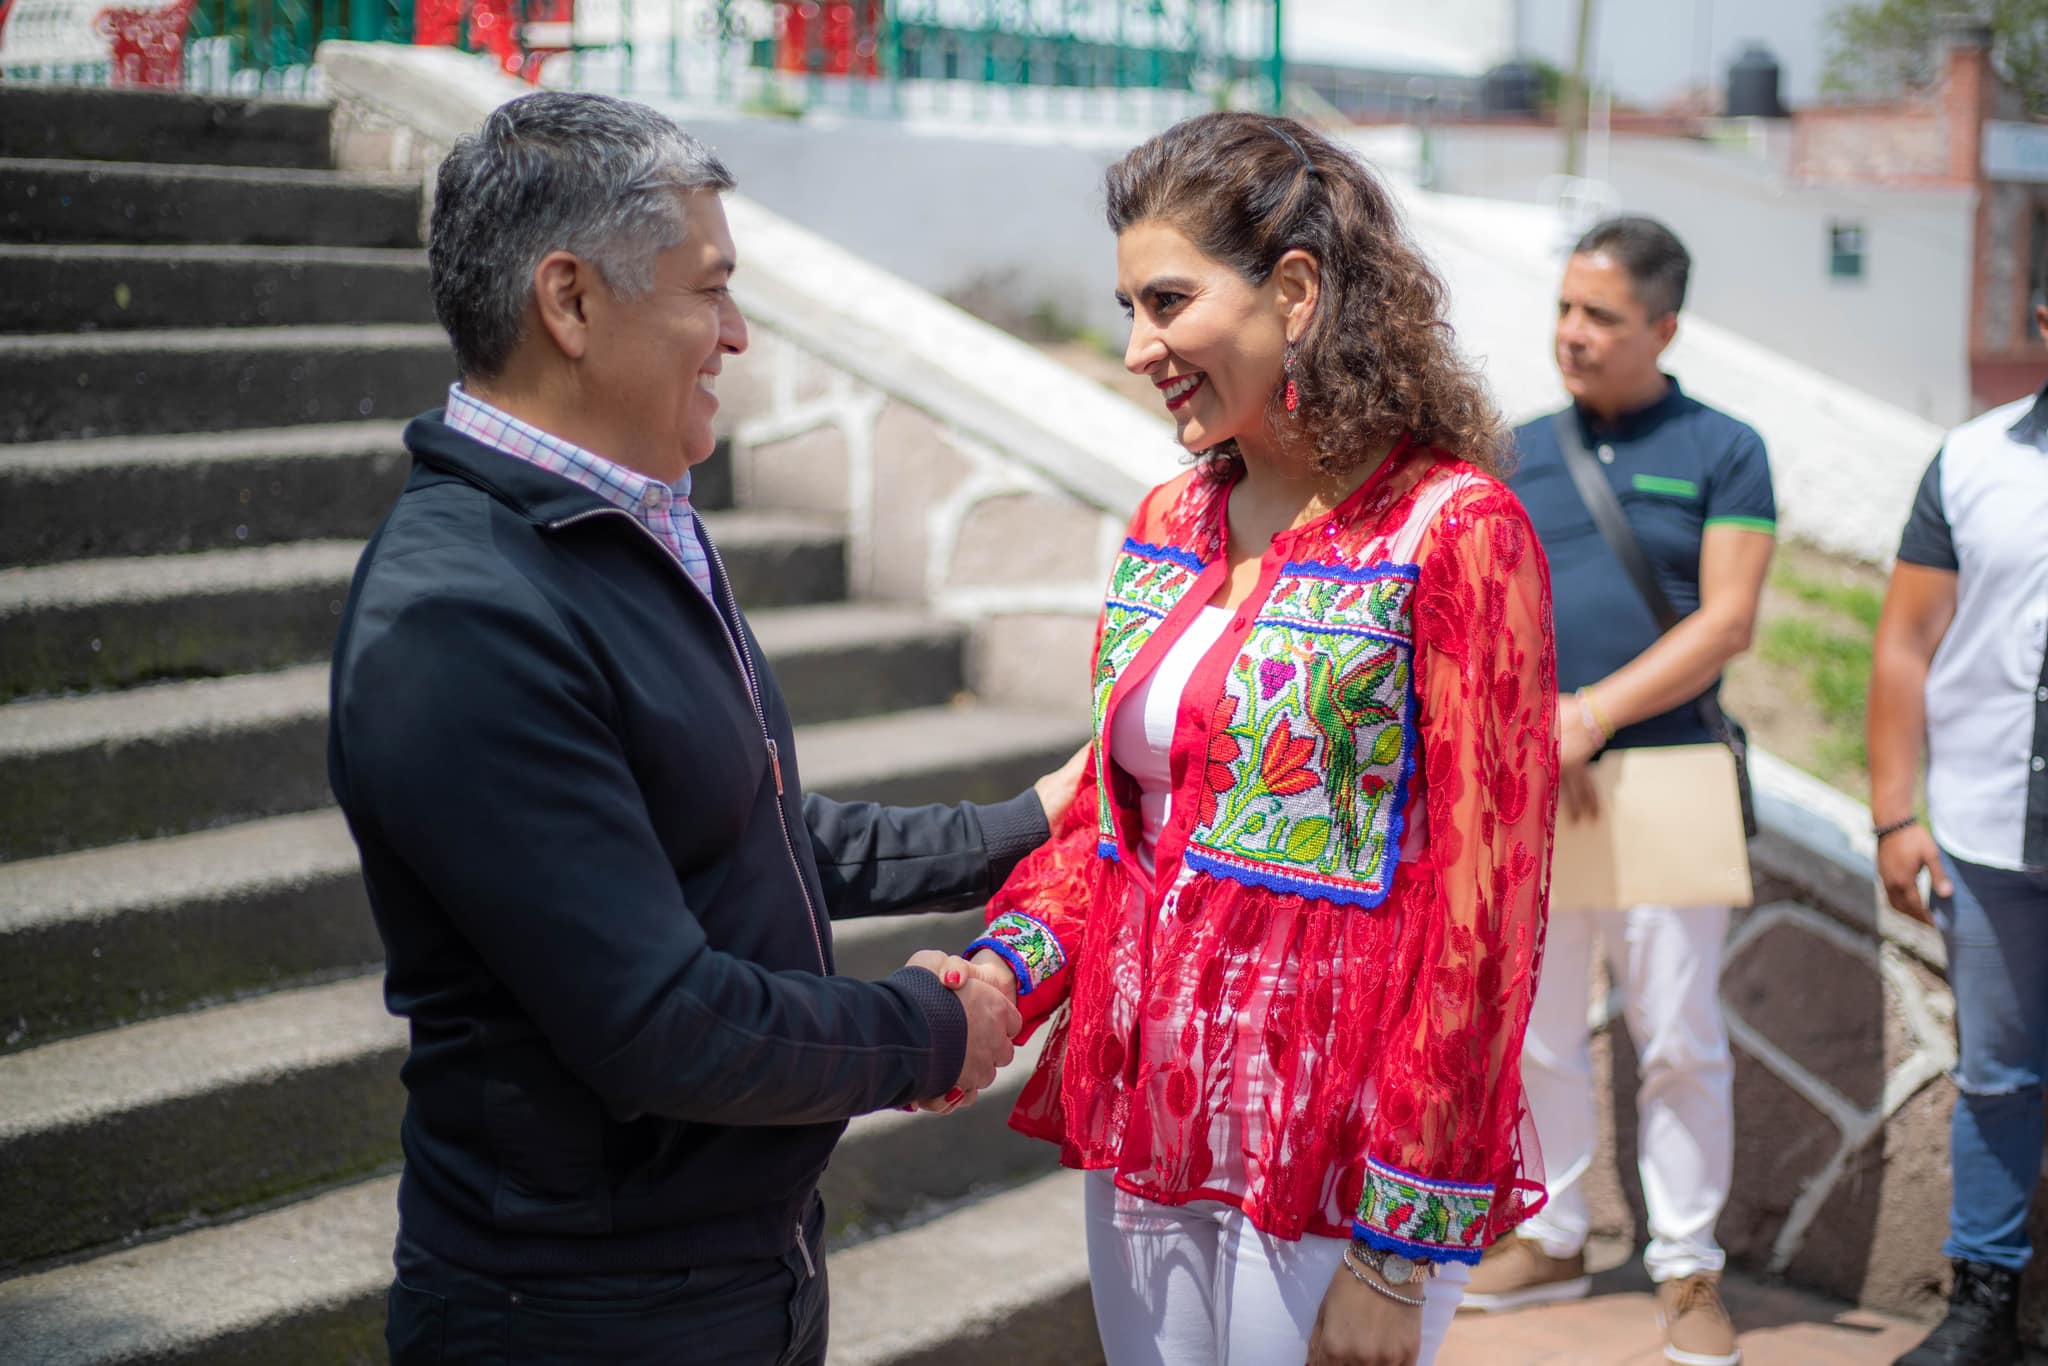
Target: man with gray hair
(602, 892)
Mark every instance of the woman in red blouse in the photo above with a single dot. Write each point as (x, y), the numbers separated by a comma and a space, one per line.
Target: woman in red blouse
(1296, 914)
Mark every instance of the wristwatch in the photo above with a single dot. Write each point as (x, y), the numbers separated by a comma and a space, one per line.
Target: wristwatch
(1392, 1267)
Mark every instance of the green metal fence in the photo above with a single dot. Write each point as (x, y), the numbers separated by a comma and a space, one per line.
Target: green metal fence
(268, 44)
(967, 58)
(1033, 60)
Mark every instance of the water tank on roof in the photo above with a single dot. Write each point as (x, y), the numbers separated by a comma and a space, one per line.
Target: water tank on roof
(1511, 88)
(1753, 85)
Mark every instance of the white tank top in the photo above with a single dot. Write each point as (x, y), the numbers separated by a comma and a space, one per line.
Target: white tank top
(1141, 741)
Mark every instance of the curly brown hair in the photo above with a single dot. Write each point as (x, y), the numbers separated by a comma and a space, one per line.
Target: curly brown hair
(1377, 359)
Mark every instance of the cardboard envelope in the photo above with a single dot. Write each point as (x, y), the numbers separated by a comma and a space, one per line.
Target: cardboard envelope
(1669, 833)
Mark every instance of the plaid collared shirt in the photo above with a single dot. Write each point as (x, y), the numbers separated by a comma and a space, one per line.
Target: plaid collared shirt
(663, 509)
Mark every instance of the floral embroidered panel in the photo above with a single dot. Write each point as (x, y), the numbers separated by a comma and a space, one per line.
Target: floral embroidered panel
(1312, 746)
(1145, 585)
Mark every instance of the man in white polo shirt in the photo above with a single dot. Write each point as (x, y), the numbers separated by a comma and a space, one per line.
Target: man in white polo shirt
(1962, 656)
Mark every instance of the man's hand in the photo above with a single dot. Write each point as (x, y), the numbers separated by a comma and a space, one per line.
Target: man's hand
(1576, 746)
(1357, 1326)
(992, 1021)
(1056, 789)
(1900, 857)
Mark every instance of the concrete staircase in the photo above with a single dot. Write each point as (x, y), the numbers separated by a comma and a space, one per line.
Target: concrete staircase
(208, 342)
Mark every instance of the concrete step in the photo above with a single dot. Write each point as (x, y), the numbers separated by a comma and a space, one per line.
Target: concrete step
(1005, 1279)
(190, 1116)
(99, 124)
(100, 624)
(306, 1283)
(777, 559)
(57, 387)
(50, 200)
(301, 1284)
(88, 289)
(839, 661)
(219, 490)
(77, 773)
(961, 753)
(875, 946)
(102, 938)
(211, 491)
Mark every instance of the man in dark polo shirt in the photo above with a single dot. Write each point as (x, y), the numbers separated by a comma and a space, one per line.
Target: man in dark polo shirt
(1696, 489)
(1961, 661)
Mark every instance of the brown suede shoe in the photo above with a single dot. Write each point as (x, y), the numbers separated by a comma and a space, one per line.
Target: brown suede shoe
(1516, 1272)
(1697, 1329)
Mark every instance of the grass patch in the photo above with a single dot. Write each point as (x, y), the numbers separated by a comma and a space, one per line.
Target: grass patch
(1852, 600)
(1830, 653)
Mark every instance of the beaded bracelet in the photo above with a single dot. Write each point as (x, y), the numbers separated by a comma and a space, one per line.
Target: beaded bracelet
(1372, 1283)
(1894, 827)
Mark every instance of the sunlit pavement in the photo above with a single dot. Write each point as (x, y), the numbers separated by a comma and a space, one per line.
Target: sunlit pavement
(1617, 1326)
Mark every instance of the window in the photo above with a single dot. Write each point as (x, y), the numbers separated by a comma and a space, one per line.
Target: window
(1845, 251)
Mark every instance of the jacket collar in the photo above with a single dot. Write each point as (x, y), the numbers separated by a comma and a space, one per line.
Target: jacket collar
(2032, 427)
(544, 498)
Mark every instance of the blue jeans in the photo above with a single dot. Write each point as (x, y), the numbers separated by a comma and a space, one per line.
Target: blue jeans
(1996, 930)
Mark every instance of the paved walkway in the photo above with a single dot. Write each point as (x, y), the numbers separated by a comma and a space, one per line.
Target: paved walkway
(1617, 1326)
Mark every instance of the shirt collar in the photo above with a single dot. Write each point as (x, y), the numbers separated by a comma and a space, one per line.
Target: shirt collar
(492, 426)
(1638, 423)
(2033, 424)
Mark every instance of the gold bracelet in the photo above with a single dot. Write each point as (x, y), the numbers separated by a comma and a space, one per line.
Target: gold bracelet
(1589, 712)
(1372, 1283)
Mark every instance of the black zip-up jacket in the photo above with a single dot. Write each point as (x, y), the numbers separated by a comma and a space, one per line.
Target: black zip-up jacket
(602, 894)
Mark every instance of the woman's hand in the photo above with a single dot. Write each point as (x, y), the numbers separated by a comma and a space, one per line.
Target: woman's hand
(986, 966)
(1576, 747)
(1358, 1326)
(1056, 789)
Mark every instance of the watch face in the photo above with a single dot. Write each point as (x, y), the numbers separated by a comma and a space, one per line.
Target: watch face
(1396, 1269)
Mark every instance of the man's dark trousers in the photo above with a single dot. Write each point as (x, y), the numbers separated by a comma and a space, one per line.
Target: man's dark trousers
(758, 1313)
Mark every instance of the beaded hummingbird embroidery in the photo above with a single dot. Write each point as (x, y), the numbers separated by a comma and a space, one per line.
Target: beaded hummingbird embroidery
(1313, 742)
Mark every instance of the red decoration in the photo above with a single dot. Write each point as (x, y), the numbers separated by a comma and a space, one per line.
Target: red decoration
(504, 28)
(838, 34)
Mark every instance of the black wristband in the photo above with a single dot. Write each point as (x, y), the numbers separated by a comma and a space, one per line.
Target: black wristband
(1895, 827)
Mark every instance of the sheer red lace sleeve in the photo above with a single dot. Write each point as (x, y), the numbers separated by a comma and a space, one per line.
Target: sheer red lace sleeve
(1446, 1170)
(1035, 921)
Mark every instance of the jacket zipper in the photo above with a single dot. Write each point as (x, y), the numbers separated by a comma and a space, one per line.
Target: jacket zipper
(803, 1246)
(743, 659)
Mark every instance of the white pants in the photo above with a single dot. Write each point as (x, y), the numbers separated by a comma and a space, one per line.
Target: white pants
(1666, 963)
(1198, 1285)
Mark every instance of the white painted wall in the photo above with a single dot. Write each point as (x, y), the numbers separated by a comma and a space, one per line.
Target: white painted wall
(1454, 37)
(943, 208)
(1760, 255)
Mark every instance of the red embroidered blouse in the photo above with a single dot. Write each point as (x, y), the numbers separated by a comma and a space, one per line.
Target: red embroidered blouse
(1314, 1009)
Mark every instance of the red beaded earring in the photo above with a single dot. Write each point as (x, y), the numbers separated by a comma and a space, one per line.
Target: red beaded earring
(1291, 396)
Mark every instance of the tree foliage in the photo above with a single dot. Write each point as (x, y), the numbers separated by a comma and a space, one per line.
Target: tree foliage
(1882, 47)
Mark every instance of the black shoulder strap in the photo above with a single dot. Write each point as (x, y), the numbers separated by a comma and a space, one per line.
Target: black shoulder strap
(1598, 496)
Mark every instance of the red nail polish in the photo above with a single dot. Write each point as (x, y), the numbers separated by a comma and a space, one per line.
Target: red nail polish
(955, 1096)
(952, 977)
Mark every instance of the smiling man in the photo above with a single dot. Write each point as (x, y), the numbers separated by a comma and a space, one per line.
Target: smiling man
(602, 893)
(1695, 490)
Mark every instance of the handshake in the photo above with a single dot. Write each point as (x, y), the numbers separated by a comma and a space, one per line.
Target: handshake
(987, 988)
